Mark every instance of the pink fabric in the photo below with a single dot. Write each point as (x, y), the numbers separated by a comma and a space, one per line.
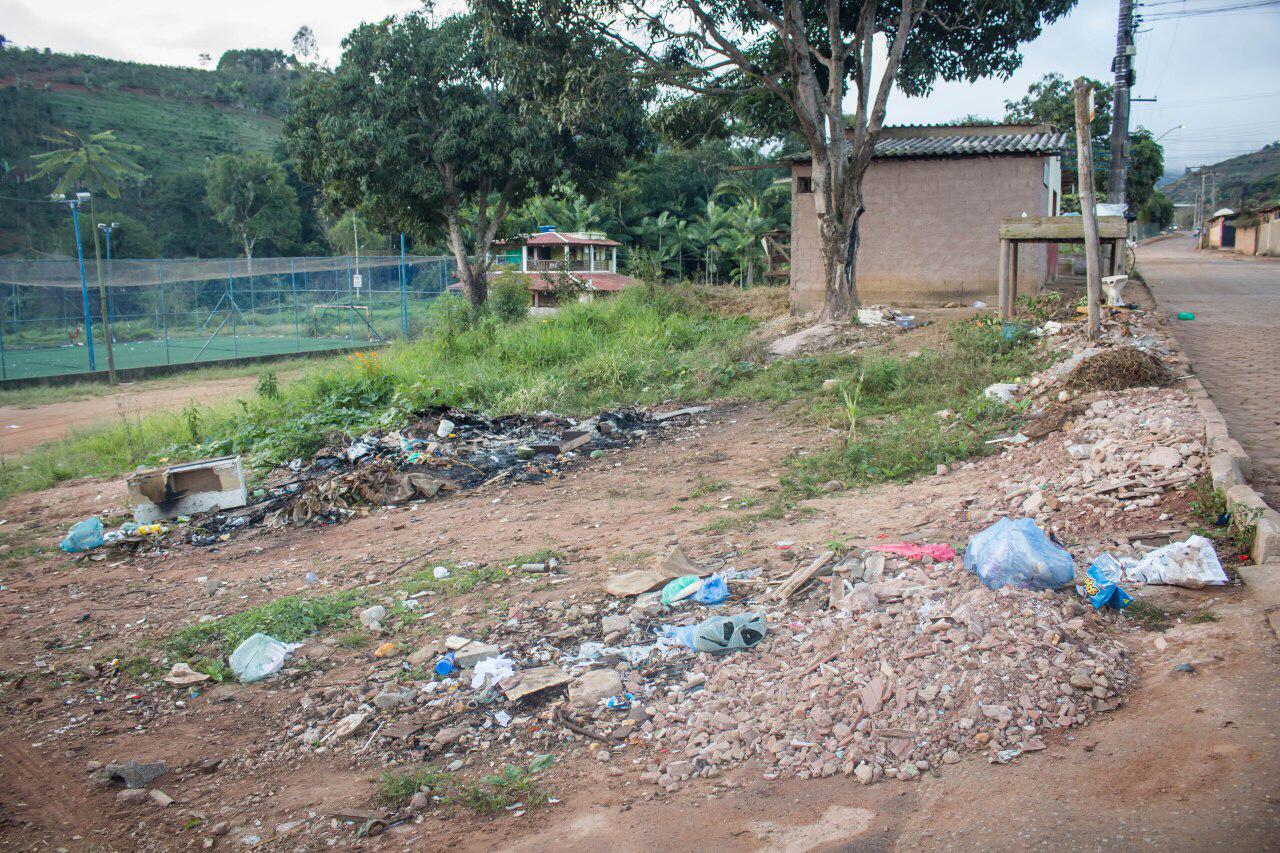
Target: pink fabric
(940, 553)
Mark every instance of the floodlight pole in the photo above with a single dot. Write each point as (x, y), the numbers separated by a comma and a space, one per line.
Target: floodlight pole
(74, 204)
(404, 292)
(102, 292)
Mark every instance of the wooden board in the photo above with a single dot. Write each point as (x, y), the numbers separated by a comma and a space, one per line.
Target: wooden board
(1054, 229)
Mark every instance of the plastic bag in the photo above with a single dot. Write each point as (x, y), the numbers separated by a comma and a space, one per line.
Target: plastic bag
(1018, 553)
(1192, 564)
(714, 590)
(258, 657)
(1102, 583)
(672, 592)
(492, 670)
(83, 536)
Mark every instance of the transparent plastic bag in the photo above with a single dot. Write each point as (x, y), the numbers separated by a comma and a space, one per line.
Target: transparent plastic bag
(258, 657)
(1018, 553)
(83, 536)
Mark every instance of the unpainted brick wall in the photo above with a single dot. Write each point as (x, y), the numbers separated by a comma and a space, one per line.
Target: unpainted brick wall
(929, 234)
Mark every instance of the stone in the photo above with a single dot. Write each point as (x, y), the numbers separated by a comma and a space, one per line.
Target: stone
(135, 774)
(1163, 457)
(449, 736)
(419, 802)
(133, 796)
(614, 624)
(390, 699)
(422, 656)
(863, 773)
(474, 652)
(594, 686)
(950, 757)
(680, 769)
(1034, 503)
(604, 756)
(349, 725)
(160, 798)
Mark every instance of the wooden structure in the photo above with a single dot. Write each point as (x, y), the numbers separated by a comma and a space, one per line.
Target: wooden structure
(1016, 230)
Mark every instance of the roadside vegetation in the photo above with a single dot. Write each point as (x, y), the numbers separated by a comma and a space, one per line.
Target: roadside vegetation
(647, 345)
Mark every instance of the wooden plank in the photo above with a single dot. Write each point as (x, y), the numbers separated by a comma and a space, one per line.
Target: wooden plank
(1013, 279)
(802, 576)
(1002, 295)
(1052, 229)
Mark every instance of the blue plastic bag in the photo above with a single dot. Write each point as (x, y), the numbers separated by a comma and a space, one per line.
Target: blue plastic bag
(714, 590)
(1102, 581)
(1018, 553)
(83, 536)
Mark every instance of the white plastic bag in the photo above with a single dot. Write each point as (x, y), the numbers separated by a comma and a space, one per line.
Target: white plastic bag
(1018, 553)
(258, 657)
(490, 671)
(1193, 564)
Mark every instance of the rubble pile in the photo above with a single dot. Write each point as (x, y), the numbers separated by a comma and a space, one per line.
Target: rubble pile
(937, 666)
(1123, 453)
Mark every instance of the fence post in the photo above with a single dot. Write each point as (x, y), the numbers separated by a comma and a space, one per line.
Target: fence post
(4, 369)
(404, 292)
(231, 290)
(293, 289)
(351, 301)
(164, 312)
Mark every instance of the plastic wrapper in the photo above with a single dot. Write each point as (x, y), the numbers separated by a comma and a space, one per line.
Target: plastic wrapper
(83, 536)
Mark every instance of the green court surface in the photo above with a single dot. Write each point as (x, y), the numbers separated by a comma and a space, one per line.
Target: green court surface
(64, 360)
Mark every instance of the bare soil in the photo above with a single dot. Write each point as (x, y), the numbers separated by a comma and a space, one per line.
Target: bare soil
(1188, 763)
(25, 427)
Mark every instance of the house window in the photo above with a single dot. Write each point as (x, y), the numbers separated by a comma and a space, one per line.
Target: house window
(804, 184)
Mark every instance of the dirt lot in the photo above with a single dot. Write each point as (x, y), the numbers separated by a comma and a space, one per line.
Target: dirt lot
(1189, 761)
(25, 427)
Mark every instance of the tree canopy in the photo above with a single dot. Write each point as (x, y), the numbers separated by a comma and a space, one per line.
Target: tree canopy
(251, 196)
(806, 55)
(435, 128)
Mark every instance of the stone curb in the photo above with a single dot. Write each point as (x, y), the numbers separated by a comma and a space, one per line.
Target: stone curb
(1229, 465)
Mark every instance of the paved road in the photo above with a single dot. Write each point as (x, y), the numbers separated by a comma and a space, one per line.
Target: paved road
(1234, 342)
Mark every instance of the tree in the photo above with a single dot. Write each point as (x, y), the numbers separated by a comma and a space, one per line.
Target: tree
(250, 195)
(342, 236)
(430, 128)
(1049, 101)
(130, 238)
(807, 55)
(1158, 209)
(1146, 166)
(101, 163)
(305, 49)
(255, 60)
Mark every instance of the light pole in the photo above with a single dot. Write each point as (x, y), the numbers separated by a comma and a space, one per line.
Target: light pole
(1169, 131)
(102, 292)
(107, 229)
(74, 204)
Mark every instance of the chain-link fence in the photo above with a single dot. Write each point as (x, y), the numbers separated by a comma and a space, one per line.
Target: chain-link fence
(162, 312)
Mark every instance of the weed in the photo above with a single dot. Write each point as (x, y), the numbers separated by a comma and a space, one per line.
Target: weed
(459, 580)
(288, 619)
(491, 794)
(706, 487)
(1203, 617)
(268, 387)
(191, 418)
(1150, 616)
(1236, 525)
(354, 640)
(140, 667)
(215, 668)
(396, 789)
(851, 409)
(540, 556)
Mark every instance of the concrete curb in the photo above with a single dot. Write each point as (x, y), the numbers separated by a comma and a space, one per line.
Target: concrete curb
(1229, 465)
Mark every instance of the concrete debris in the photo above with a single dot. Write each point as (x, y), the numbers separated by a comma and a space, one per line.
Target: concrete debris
(135, 774)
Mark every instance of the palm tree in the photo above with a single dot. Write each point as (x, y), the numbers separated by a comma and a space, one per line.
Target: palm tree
(744, 235)
(99, 162)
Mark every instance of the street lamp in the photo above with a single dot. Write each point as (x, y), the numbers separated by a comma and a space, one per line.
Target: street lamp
(74, 204)
(107, 229)
(1169, 131)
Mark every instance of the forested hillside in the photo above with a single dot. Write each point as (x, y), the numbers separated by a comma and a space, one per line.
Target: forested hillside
(179, 117)
(1243, 181)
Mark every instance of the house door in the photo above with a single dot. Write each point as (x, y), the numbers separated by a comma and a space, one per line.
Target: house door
(1228, 236)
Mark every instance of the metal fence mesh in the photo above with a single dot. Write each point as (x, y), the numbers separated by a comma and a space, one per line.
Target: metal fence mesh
(196, 311)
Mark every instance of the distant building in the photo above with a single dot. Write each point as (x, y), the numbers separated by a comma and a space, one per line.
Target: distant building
(934, 198)
(1220, 229)
(589, 258)
(1247, 232)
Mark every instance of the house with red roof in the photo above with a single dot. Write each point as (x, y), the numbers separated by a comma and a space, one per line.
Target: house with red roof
(589, 258)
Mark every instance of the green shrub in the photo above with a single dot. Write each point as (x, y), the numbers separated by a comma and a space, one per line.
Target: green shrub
(509, 297)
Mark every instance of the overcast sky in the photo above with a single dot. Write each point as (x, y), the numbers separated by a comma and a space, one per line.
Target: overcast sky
(1219, 75)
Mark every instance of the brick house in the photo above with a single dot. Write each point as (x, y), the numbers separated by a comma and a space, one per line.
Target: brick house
(934, 198)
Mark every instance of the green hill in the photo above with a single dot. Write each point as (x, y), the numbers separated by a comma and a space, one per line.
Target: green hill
(181, 118)
(1242, 181)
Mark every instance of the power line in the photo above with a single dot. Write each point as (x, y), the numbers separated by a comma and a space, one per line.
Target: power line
(1199, 13)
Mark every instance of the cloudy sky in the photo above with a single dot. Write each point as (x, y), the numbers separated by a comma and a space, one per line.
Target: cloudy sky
(1218, 75)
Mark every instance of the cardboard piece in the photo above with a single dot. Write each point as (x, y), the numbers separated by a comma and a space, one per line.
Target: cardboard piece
(159, 494)
(676, 565)
(634, 583)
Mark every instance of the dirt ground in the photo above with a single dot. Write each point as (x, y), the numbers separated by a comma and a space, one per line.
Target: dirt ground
(25, 427)
(1189, 762)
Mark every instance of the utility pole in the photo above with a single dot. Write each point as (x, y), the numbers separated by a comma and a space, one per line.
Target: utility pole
(1088, 204)
(1122, 65)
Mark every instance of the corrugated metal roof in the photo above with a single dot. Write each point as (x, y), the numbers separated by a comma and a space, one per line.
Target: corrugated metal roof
(969, 145)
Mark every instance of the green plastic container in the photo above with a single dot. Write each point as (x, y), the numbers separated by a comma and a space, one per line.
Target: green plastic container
(1186, 315)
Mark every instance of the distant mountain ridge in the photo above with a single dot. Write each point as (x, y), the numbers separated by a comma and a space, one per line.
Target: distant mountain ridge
(1244, 181)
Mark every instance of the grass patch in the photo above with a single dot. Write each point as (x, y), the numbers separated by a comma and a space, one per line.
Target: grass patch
(1150, 616)
(889, 426)
(540, 556)
(289, 619)
(645, 345)
(1233, 526)
(488, 796)
(459, 580)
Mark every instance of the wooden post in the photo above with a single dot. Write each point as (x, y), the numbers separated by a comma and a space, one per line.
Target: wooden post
(1111, 257)
(1003, 286)
(1088, 205)
(1013, 278)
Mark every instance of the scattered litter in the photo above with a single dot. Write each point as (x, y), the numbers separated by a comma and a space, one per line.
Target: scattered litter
(206, 485)
(712, 591)
(490, 671)
(680, 589)
(259, 656)
(939, 553)
(1186, 315)
(722, 634)
(1018, 553)
(440, 572)
(446, 666)
(181, 674)
(1001, 391)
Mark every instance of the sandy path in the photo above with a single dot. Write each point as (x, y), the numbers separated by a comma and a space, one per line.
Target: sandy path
(24, 428)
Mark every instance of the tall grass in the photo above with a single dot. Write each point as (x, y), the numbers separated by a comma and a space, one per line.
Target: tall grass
(644, 345)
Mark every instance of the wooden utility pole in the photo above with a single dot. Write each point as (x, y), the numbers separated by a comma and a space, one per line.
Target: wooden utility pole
(1088, 204)
(1122, 65)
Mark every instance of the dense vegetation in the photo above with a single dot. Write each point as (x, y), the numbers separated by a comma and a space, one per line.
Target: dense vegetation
(1244, 181)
